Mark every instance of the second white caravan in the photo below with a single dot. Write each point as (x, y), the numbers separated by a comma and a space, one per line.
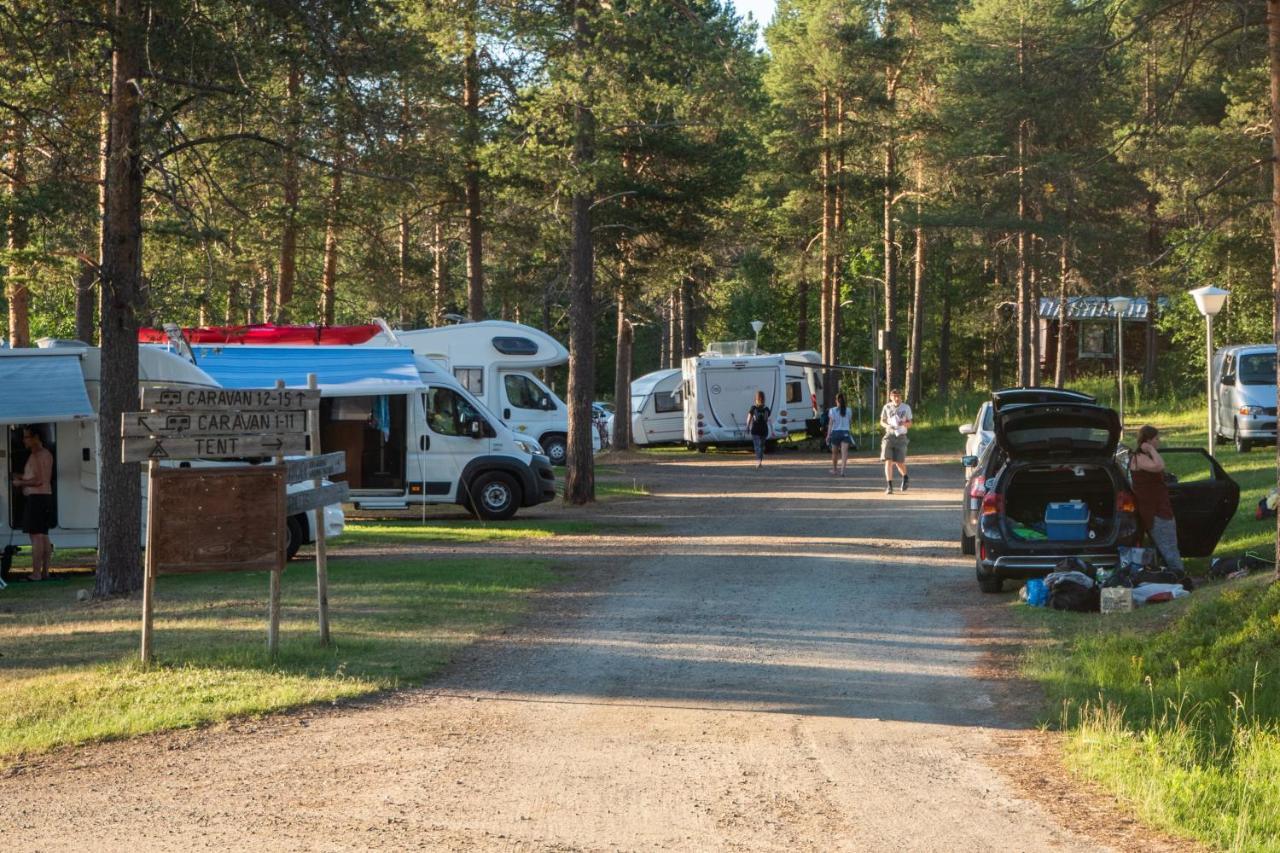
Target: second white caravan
(718, 391)
(657, 408)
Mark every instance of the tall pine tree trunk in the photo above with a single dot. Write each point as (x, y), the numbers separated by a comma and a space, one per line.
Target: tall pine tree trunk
(944, 341)
(407, 295)
(329, 277)
(1023, 314)
(892, 354)
(471, 176)
(119, 486)
(916, 366)
(1034, 300)
(622, 377)
(580, 482)
(87, 281)
(802, 313)
(16, 281)
(440, 288)
(828, 227)
(1064, 277)
(688, 325)
(292, 189)
(673, 318)
(1273, 50)
(832, 383)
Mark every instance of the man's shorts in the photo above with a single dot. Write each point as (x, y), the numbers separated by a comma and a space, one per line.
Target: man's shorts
(893, 448)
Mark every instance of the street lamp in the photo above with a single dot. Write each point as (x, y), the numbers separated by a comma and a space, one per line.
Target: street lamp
(757, 325)
(1209, 300)
(1119, 304)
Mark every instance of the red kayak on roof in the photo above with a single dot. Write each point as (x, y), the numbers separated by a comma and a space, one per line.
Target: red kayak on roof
(268, 333)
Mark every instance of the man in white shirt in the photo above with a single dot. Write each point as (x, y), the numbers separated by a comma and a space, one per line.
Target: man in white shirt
(895, 418)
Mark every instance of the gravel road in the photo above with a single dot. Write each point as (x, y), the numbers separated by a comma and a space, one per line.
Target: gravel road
(784, 661)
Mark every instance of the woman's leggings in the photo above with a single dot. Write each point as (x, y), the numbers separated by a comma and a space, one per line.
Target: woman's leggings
(757, 441)
(1164, 532)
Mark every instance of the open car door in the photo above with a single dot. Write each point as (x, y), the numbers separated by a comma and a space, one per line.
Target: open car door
(1204, 498)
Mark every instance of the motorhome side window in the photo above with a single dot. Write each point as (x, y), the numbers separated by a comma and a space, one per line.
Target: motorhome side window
(663, 402)
(449, 413)
(471, 378)
(523, 393)
(794, 392)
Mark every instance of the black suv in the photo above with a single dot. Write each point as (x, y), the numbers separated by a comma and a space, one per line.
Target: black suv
(1056, 452)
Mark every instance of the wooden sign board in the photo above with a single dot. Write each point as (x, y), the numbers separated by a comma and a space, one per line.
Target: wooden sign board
(309, 499)
(218, 519)
(212, 447)
(232, 399)
(211, 422)
(315, 467)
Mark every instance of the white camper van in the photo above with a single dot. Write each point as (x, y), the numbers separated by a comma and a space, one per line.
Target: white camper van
(494, 360)
(657, 408)
(56, 385)
(412, 433)
(719, 388)
(1244, 386)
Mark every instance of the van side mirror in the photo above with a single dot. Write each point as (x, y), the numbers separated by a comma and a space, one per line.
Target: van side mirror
(966, 429)
(968, 461)
(547, 405)
(1228, 379)
(475, 429)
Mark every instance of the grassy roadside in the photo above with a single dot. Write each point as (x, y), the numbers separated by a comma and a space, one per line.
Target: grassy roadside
(405, 531)
(70, 674)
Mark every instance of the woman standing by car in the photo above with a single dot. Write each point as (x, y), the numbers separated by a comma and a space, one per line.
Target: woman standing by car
(1155, 511)
(838, 438)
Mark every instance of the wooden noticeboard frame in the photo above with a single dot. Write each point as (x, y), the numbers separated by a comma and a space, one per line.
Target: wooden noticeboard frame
(219, 519)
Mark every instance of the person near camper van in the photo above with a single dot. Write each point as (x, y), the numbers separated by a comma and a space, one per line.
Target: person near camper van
(895, 418)
(838, 437)
(1151, 491)
(36, 481)
(758, 425)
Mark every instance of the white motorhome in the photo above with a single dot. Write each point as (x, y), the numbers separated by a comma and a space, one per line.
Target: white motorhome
(657, 408)
(411, 432)
(56, 385)
(719, 387)
(495, 360)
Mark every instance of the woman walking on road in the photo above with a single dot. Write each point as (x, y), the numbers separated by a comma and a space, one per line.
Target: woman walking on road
(1155, 512)
(838, 438)
(758, 426)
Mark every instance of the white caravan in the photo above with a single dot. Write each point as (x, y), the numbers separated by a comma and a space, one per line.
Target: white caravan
(56, 386)
(494, 360)
(804, 384)
(720, 388)
(657, 408)
(411, 432)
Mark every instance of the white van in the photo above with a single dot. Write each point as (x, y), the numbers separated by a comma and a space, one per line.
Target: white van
(1244, 384)
(411, 432)
(718, 391)
(494, 360)
(56, 385)
(657, 408)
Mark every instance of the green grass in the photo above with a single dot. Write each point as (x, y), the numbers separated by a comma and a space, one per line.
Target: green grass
(409, 531)
(70, 671)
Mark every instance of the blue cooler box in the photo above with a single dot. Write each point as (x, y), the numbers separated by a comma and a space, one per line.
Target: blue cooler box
(1067, 521)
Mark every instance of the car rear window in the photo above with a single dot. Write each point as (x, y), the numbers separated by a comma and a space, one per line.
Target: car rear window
(1079, 438)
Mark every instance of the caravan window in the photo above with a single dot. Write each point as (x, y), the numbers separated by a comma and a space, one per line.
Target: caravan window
(471, 378)
(795, 391)
(664, 401)
(448, 412)
(523, 392)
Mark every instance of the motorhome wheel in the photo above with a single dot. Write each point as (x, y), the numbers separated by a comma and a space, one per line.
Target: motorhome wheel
(556, 447)
(495, 496)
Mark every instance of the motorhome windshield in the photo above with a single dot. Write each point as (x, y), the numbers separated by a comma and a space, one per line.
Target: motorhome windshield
(1258, 368)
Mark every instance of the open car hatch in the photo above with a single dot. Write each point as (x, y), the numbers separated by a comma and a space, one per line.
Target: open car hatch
(1052, 431)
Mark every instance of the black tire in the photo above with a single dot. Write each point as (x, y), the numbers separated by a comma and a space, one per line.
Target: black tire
(990, 583)
(295, 530)
(1242, 445)
(495, 496)
(702, 448)
(968, 544)
(556, 446)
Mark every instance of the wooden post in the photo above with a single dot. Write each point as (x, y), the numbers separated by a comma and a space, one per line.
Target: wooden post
(322, 551)
(273, 598)
(149, 565)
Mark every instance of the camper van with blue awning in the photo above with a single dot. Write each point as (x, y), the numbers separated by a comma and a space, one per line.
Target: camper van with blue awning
(55, 386)
(412, 434)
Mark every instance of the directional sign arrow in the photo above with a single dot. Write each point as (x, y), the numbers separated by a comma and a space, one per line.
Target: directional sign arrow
(212, 447)
(211, 422)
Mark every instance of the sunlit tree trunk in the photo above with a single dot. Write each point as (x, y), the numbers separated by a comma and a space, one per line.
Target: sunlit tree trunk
(1273, 46)
(16, 282)
(329, 277)
(622, 377)
(291, 186)
(471, 176)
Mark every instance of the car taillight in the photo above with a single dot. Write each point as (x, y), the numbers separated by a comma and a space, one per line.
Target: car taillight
(1125, 502)
(992, 503)
(977, 487)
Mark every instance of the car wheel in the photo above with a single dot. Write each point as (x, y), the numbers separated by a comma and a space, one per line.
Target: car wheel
(989, 583)
(557, 448)
(968, 544)
(1242, 445)
(494, 496)
(702, 448)
(295, 532)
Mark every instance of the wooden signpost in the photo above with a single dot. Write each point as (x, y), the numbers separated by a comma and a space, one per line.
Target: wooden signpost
(230, 518)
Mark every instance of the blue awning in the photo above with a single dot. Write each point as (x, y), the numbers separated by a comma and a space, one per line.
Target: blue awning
(42, 387)
(340, 371)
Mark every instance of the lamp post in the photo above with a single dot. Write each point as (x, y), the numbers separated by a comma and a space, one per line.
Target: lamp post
(1209, 300)
(1118, 306)
(756, 326)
